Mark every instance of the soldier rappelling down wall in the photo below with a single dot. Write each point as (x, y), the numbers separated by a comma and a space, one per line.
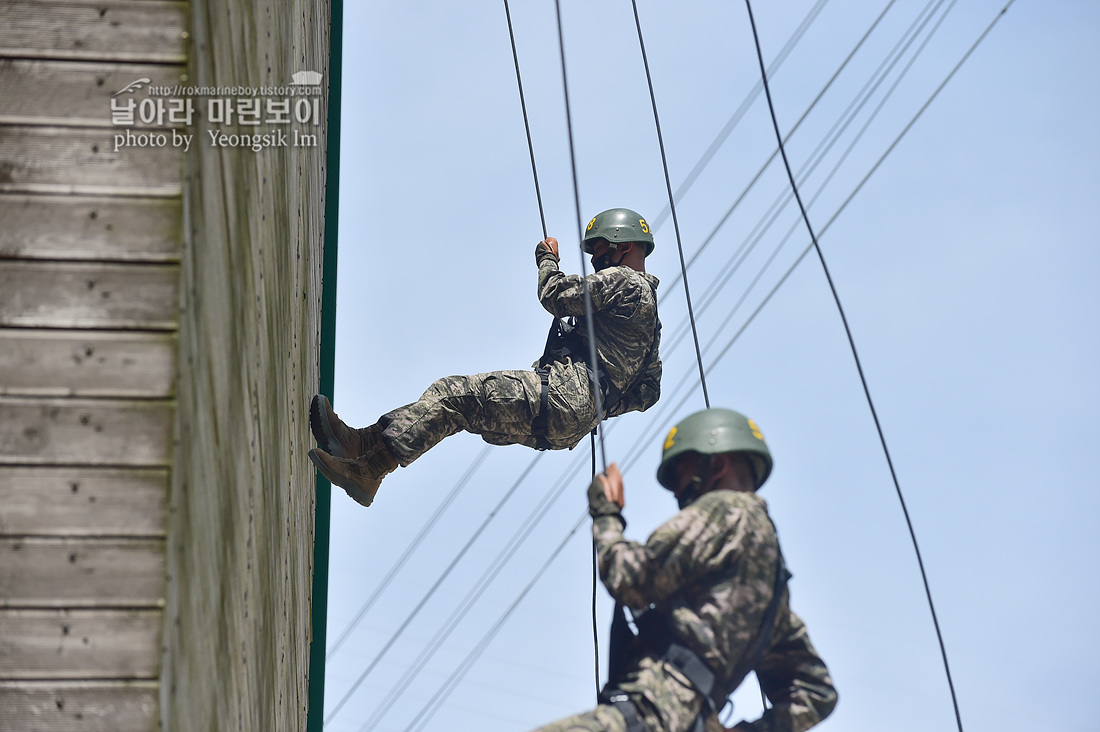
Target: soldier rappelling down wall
(552, 407)
(708, 592)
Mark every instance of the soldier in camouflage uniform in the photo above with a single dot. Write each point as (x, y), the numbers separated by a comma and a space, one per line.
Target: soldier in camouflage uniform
(552, 408)
(709, 574)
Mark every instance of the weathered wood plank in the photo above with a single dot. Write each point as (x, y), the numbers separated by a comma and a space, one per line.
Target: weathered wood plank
(112, 30)
(67, 295)
(84, 431)
(98, 162)
(88, 572)
(90, 227)
(49, 501)
(72, 93)
(86, 363)
(80, 644)
(79, 706)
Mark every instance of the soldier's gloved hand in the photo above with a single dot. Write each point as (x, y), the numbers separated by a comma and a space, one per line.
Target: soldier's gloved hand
(547, 248)
(605, 494)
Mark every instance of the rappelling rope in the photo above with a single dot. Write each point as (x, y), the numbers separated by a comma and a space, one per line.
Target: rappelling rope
(672, 206)
(588, 311)
(593, 363)
(859, 367)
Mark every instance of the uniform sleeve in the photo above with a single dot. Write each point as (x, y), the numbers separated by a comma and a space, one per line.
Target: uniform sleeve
(562, 295)
(676, 555)
(796, 681)
(643, 394)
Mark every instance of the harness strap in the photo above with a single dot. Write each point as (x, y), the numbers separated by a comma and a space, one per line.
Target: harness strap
(759, 645)
(625, 705)
(538, 425)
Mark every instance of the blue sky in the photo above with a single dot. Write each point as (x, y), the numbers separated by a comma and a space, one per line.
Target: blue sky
(968, 266)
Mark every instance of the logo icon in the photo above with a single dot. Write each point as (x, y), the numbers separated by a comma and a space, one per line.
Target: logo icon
(307, 78)
(132, 87)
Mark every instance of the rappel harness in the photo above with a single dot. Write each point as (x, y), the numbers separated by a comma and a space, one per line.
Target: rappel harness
(567, 342)
(655, 638)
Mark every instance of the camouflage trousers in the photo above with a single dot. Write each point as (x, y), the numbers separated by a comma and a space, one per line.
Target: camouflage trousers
(501, 406)
(662, 696)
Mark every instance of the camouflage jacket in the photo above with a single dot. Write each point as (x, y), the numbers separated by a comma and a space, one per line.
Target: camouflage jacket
(711, 570)
(628, 332)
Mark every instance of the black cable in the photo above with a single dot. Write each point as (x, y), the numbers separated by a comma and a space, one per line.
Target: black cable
(739, 113)
(859, 367)
(791, 42)
(672, 205)
(595, 564)
(593, 363)
(457, 676)
(629, 462)
(542, 218)
(823, 147)
(748, 187)
(526, 124)
(739, 257)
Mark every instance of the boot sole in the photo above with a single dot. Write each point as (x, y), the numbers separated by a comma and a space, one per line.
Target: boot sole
(354, 492)
(322, 430)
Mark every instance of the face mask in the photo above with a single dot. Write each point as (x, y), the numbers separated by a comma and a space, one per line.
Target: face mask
(686, 498)
(695, 489)
(603, 261)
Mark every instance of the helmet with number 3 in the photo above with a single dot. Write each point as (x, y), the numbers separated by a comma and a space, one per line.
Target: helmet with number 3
(617, 226)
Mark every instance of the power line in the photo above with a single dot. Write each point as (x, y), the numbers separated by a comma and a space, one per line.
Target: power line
(423, 601)
(775, 65)
(859, 367)
(745, 106)
(496, 566)
(783, 279)
(456, 677)
(433, 705)
(746, 103)
(823, 147)
(672, 207)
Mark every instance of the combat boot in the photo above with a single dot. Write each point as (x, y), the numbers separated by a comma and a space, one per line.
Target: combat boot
(334, 436)
(359, 477)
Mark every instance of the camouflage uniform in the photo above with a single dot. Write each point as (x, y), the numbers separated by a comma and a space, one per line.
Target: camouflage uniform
(501, 406)
(711, 569)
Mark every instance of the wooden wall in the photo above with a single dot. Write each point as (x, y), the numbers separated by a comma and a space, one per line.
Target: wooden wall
(240, 526)
(159, 324)
(90, 244)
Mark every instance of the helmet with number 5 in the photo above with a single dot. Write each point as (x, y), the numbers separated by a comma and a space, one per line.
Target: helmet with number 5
(617, 226)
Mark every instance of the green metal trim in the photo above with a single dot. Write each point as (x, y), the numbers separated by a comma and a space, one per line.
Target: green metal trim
(322, 516)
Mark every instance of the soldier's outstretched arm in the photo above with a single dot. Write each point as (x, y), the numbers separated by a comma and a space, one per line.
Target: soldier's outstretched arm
(796, 681)
(677, 554)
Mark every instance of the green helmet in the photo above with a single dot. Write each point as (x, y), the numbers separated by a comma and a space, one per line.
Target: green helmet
(713, 432)
(618, 225)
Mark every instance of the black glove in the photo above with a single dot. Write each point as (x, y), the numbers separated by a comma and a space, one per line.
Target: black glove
(598, 505)
(542, 250)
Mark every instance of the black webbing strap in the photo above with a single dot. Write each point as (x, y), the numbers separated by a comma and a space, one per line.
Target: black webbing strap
(756, 650)
(538, 426)
(622, 702)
